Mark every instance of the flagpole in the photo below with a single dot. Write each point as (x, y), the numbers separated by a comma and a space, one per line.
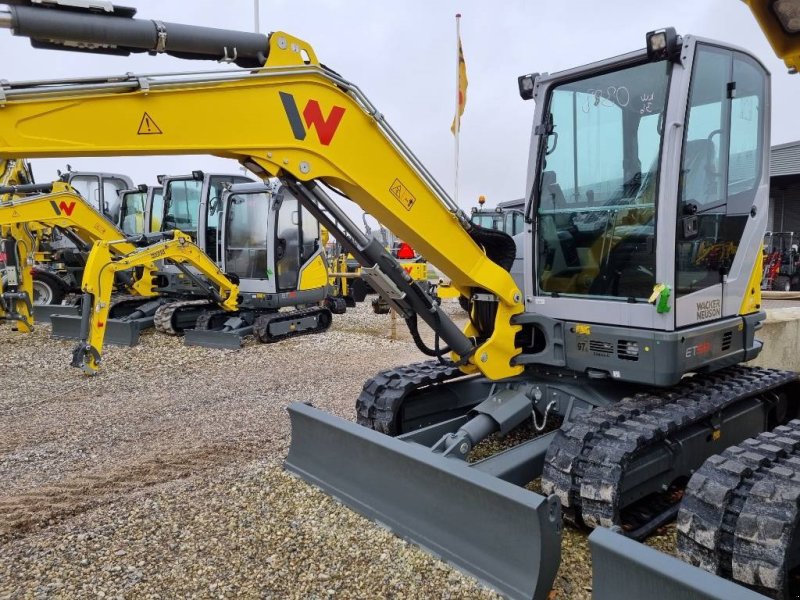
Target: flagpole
(458, 101)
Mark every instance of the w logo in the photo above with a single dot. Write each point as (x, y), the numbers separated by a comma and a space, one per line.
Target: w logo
(63, 207)
(312, 115)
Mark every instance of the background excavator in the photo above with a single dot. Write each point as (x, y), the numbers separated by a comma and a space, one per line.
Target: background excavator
(260, 238)
(37, 211)
(621, 338)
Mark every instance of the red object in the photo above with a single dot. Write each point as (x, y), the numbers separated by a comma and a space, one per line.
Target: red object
(405, 251)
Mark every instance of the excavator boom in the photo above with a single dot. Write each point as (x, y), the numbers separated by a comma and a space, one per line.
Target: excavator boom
(307, 125)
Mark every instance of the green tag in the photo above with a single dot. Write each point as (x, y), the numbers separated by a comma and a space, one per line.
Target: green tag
(660, 297)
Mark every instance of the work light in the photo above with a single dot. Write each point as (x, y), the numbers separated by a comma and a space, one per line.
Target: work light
(525, 83)
(788, 13)
(662, 44)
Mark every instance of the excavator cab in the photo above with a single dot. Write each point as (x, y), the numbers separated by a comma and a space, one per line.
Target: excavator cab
(271, 246)
(99, 189)
(192, 204)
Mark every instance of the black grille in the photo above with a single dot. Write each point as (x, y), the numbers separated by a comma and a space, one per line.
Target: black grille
(601, 347)
(627, 350)
(726, 340)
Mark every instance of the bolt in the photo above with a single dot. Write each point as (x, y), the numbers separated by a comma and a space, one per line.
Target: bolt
(304, 167)
(463, 448)
(286, 161)
(282, 43)
(517, 298)
(484, 357)
(269, 154)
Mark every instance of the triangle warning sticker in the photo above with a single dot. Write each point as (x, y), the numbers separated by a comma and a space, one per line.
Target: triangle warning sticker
(147, 126)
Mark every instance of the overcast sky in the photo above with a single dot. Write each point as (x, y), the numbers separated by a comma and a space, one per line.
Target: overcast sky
(402, 55)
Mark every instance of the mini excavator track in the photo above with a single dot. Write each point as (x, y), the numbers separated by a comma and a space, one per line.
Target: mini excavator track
(591, 464)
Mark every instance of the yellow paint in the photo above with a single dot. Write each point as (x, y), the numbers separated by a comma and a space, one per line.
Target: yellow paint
(752, 298)
(785, 45)
(583, 329)
(360, 160)
(314, 275)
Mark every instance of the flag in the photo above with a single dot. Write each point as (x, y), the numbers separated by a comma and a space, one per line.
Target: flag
(462, 87)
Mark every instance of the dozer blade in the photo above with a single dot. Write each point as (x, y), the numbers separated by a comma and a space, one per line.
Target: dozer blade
(119, 332)
(505, 536)
(226, 340)
(43, 312)
(624, 569)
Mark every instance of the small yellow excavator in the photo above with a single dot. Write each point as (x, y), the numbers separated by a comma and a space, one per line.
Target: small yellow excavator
(106, 260)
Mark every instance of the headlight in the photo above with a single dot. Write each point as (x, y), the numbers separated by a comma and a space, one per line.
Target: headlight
(788, 13)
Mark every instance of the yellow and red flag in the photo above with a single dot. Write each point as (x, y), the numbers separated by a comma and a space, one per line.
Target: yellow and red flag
(462, 83)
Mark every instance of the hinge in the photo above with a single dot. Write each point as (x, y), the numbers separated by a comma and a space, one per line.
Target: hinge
(732, 89)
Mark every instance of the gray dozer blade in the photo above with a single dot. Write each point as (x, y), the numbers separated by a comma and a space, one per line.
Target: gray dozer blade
(226, 340)
(624, 569)
(505, 536)
(43, 312)
(119, 332)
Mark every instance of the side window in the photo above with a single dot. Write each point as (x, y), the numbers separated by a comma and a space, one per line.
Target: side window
(157, 210)
(744, 158)
(310, 232)
(132, 213)
(287, 240)
(89, 187)
(214, 214)
(701, 184)
(182, 206)
(112, 186)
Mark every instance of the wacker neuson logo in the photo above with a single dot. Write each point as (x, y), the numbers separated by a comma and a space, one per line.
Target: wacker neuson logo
(312, 115)
(709, 309)
(63, 207)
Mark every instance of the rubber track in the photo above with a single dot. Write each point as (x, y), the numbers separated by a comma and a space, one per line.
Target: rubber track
(740, 511)
(163, 319)
(587, 460)
(382, 396)
(262, 323)
(204, 320)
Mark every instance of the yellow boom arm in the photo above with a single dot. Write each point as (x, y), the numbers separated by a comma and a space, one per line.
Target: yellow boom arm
(292, 118)
(98, 284)
(24, 219)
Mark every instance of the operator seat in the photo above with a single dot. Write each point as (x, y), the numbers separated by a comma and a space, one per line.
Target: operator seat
(700, 177)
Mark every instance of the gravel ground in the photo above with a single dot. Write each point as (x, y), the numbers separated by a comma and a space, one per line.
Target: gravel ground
(161, 477)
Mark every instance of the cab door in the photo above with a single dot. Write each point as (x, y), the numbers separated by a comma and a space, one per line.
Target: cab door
(721, 197)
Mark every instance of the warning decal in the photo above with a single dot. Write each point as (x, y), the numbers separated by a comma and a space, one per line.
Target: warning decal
(399, 191)
(148, 126)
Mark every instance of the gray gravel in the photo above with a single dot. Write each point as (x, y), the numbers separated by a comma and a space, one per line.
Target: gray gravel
(161, 477)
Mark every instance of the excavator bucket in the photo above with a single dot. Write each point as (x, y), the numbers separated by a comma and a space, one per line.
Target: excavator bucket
(505, 536)
(119, 332)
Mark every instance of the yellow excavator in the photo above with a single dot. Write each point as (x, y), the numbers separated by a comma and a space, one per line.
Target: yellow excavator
(621, 352)
(36, 209)
(108, 258)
